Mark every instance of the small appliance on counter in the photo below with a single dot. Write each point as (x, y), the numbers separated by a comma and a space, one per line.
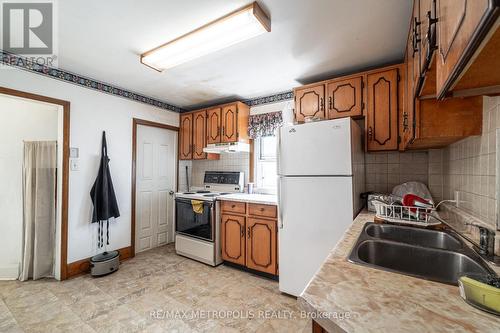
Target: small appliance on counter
(481, 291)
(104, 263)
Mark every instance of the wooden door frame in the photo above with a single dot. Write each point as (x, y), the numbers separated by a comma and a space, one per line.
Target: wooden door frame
(65, 166)
(135, 123)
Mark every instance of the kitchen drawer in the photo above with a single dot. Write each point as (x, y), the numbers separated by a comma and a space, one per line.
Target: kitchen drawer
(262, 210)
(233, 207)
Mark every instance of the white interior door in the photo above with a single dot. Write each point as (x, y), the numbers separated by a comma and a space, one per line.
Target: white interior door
(155, 185)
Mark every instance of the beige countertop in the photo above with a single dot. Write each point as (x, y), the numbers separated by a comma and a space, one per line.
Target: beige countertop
(355, 298)
(266, 199)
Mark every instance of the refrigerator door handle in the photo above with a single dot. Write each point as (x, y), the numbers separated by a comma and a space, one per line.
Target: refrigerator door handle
(280, 210)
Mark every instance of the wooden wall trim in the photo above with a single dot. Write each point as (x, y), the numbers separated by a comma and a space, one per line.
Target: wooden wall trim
(65, 167)
(135, 123)
(83, 266)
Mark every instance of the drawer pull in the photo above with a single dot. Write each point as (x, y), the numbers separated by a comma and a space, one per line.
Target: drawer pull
(262, 209)
(232, 206)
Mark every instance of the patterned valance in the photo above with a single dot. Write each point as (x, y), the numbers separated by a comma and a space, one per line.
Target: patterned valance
(264, 124)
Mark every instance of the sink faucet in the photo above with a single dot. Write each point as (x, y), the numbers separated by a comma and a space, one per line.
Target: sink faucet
(486, 246)
(486, 240)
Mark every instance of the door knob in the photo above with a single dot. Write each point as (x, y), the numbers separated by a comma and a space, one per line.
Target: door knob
(171, 192)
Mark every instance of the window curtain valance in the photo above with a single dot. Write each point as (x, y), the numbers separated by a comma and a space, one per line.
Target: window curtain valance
(264, 124)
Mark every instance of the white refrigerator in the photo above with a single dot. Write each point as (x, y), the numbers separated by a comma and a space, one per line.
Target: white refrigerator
(320, 177)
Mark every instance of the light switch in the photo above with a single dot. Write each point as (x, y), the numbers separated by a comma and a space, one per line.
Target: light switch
(74, 165)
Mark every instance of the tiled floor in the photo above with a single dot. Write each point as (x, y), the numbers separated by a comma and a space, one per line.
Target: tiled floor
(157, 291)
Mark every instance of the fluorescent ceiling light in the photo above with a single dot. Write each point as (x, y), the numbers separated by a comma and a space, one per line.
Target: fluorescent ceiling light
(240, 25)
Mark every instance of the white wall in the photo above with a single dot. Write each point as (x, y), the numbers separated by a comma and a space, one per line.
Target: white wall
(20, 120)
(91, 113)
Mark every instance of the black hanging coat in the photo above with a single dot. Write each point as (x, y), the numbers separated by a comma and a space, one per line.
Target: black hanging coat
(103, 195)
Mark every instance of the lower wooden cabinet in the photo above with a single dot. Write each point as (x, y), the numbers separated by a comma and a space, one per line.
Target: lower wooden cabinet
(261, 245)
(233, 238)
(249, 240)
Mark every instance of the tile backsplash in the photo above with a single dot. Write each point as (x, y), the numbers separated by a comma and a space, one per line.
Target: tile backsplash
(385, 170)
(469, 167)
(227, 162)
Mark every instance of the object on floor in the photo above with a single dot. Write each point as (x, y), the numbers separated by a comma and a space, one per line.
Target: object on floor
(104, 263)
(103, 196)
(481, 291)
(39, 209)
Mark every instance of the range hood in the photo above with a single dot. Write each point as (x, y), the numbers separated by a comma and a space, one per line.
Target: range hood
(229, 147)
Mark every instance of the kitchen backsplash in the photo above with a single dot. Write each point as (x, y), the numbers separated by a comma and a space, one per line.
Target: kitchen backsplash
(385, 170)
(227, 162)
(469, 167)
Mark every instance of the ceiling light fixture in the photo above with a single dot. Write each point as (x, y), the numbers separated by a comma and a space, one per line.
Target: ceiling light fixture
(242, 24)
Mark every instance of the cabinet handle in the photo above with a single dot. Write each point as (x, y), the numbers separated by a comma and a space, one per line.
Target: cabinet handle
(218, 130)
(370, 133)
(405, 121)
(248, 232)
(262, 209)
(321, 104)
(222, 132)
(330, 103)
(232, 206)
(243, 232)
(416, 38)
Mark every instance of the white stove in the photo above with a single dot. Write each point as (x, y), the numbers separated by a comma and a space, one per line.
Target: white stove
(197, 233)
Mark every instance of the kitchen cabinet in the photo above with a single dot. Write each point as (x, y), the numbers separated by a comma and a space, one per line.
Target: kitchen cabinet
(261, 245)
(213, 125)
(345, 98)
(229, 123)
(186, 137)
(233, 238)
(199, 135)
(249, 235)
(220, 124)
(468, 45)
(310, 102)
(382, 110)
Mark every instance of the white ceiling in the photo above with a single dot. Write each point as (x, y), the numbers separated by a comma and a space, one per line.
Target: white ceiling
(309, 40)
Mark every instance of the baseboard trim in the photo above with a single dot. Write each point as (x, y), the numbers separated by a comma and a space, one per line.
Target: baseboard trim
(83, 266)
(9, 272)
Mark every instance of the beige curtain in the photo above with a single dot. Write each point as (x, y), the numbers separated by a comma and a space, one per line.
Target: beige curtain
(39, 209)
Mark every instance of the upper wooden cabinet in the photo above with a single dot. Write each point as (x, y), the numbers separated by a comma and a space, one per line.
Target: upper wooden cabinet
(345, 98)
(382, 110)
(310, 102)
(186, 137)
(221, 124)
(462, 27)
(199, 135)
(213, 125)
(230, 123)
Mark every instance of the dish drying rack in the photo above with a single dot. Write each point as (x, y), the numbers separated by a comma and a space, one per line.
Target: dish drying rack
(396, 213)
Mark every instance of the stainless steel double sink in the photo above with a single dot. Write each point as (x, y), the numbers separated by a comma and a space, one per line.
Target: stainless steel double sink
(428, 254)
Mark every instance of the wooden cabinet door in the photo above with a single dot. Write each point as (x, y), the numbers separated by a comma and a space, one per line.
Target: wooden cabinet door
(310, 102)
(458, 22)
(199, 135)
(230, 123)
(213, 125)
(345, 98)
(382, 110)
(233, 238)
(261, 245)
(186, 137)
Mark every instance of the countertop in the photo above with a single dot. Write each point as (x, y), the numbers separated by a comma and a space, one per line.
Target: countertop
(266, 199)
(355, 298)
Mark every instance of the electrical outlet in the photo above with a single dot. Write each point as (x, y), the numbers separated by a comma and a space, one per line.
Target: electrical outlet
(74, 165)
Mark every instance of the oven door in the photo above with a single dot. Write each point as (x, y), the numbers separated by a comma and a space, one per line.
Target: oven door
(192, 224)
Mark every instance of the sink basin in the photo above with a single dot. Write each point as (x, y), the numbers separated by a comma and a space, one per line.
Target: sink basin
(427, 254)
(414, 236)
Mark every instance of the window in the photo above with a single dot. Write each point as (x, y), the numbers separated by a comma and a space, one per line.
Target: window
(265, 164)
